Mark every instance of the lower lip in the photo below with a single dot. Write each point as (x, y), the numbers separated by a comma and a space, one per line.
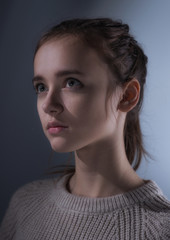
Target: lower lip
(55, 130)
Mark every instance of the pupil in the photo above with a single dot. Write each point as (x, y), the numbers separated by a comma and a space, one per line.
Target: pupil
(41, 88)
(71, 83)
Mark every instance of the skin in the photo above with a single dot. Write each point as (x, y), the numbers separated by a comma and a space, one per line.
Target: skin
(78, 100)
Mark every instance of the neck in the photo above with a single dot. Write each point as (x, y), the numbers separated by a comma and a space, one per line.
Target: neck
(103, 170)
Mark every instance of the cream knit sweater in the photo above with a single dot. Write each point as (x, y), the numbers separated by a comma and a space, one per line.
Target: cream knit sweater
(45, 210)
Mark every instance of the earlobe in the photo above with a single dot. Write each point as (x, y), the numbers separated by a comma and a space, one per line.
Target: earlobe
(131, 94)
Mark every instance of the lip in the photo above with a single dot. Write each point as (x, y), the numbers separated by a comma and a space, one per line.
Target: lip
(55, 127)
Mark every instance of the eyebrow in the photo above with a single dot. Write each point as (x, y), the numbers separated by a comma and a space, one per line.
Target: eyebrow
(61, 73)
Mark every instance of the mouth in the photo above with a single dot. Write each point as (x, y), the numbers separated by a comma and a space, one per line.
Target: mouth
(55, 127)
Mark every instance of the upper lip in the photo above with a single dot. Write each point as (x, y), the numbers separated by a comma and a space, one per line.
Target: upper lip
(55, 124)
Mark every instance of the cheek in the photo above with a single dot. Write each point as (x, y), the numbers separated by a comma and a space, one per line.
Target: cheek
(87, 108)
(40, 112)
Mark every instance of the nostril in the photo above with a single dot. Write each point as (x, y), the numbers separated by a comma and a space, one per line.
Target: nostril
(60, 108)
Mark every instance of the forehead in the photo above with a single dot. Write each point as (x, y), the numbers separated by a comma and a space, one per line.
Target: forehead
(68, 52)
(67, 46)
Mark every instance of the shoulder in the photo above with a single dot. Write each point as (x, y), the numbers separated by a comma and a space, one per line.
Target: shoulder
(38, 189)
(154, 199)
(35, 186)
(27, 201)
(33, 197)
(156, 210)
(37, 193)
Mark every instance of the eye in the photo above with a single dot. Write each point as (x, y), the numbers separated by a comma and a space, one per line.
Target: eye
(40, 87)
(73, 83)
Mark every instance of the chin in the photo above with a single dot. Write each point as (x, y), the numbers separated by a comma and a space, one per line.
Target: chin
(61, 146)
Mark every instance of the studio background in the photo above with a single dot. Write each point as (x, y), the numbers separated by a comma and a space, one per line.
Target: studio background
(24, 149)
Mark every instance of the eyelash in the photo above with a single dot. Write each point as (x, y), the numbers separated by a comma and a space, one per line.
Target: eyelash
(73, 79)
(36, 86)
(80, 85)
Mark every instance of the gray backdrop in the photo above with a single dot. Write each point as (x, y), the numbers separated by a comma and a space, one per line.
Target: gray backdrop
(24, 149)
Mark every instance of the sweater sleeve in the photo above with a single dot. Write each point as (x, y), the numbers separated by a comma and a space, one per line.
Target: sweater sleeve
(24, 201)
(166, 227)
(9, 223)
(166, 218)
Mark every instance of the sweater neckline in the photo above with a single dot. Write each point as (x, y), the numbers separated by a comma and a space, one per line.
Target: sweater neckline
(66, 200)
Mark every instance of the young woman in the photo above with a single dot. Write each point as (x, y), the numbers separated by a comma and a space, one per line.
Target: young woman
(89, 76)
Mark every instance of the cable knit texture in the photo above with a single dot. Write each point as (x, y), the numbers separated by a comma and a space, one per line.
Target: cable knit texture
(45, 210)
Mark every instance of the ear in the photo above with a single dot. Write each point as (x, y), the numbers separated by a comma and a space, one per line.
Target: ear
(130, 97)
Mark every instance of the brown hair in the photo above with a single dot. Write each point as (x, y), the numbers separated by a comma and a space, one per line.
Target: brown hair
(126, 59)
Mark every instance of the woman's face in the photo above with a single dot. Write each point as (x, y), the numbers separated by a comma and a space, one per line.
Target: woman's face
(71, 81)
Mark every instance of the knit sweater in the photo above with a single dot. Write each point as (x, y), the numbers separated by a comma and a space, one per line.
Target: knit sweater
(45, 210)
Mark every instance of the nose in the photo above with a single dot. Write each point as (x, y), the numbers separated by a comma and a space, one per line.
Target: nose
(52, 103)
